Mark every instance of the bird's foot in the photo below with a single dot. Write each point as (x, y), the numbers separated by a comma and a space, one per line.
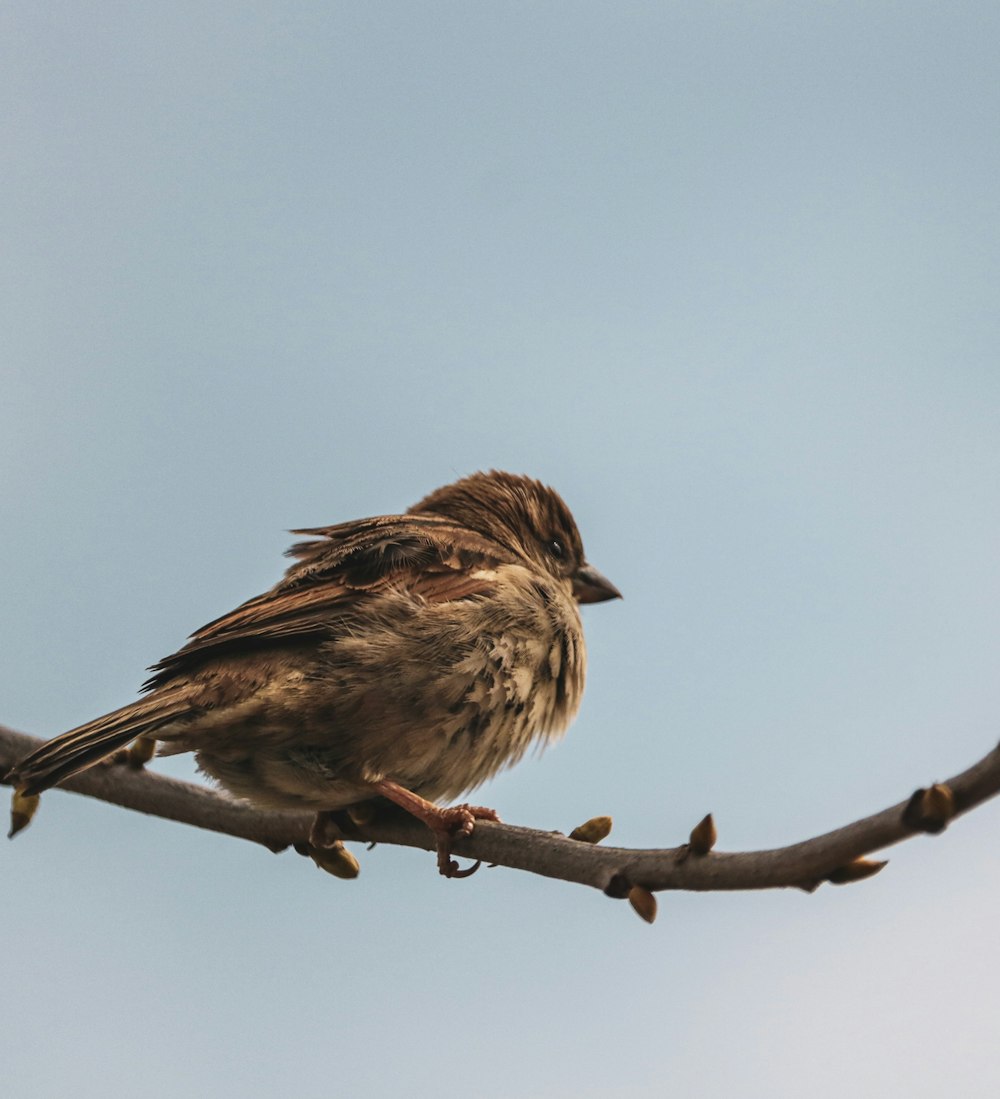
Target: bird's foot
(446, 824)
(457, 821)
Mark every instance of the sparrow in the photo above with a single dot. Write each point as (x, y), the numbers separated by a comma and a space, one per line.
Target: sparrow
(406, 657)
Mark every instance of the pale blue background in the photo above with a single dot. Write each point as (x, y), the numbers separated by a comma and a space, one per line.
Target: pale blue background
(727, 275)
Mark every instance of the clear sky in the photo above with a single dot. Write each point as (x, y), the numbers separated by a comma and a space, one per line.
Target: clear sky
(725, 274)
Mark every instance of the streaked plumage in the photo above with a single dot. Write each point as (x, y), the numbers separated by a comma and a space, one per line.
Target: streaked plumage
(425, 651)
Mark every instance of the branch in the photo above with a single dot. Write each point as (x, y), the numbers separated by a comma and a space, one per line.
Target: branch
(836, 856)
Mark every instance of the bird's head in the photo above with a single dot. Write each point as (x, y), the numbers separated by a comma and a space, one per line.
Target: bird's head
(528, 518)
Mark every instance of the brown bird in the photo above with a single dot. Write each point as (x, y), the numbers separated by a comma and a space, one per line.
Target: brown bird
(409, 657)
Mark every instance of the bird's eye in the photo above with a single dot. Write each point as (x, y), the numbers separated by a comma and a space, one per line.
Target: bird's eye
(557, 549)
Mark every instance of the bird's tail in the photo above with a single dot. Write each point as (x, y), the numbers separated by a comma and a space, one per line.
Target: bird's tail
(82, 747)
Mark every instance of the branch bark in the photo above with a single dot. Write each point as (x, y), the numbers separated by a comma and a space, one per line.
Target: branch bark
(838, 855)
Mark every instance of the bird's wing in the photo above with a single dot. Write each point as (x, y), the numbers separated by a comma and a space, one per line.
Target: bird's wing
(336, 572)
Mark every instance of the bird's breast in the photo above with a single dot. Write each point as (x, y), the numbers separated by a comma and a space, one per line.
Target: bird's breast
(437, 696)
(517, 683)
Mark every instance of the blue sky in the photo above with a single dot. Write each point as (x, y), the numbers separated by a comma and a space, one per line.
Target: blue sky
(724, 274)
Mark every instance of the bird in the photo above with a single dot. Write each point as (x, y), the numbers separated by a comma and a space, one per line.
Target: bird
(405, 657)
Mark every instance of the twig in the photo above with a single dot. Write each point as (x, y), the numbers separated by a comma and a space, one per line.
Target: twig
(835, 856)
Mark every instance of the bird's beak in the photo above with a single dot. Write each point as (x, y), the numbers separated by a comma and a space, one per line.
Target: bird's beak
(589, 586)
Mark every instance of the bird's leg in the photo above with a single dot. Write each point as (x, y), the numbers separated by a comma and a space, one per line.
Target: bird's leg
(457, 820)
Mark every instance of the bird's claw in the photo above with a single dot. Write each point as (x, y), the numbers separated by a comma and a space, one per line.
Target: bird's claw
(450, 869)
(455, 822)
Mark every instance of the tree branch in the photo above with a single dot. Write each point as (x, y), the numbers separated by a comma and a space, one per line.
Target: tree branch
(835, 856)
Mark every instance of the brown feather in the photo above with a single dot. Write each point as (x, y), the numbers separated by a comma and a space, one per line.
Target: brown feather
(427, 650)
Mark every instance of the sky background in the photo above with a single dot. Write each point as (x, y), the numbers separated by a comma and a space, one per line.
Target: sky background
(725, 274)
